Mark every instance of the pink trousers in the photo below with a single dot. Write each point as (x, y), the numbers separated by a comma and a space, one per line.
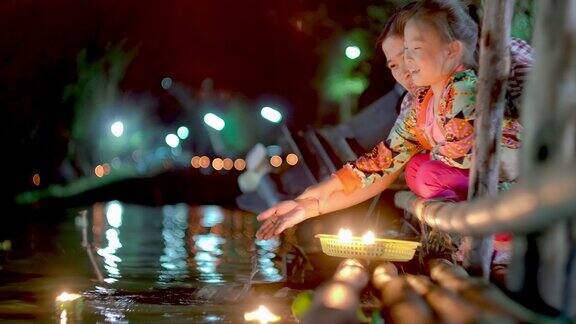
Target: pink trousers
(434, 179)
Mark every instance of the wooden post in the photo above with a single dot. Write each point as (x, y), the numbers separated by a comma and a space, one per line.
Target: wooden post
(494, 71)
(543, 265)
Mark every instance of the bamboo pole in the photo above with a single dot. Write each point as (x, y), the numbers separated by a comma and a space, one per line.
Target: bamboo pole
(399, 301)
(525, 209)
(543, 262)
(450, 307)
(337, 300)
(479, 292)
(490, 100)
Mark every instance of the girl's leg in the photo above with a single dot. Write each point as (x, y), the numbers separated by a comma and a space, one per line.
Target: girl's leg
(435, 179)
(412, 167)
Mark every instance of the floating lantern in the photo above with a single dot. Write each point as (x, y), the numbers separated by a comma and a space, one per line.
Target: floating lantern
(66, 297)
(262, 315)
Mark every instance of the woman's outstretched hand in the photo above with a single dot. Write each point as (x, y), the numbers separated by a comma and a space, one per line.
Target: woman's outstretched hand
(280, 217)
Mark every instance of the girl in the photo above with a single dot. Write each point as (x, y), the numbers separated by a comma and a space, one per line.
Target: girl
(433, 140)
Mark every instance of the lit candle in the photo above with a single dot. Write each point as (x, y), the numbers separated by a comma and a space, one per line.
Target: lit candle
(369, 238)
(262, 315)
(345, 235)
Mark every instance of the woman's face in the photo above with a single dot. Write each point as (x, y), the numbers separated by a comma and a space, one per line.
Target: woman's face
(427, 57)
(393, 48)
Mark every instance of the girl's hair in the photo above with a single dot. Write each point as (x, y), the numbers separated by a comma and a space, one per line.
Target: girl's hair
(394, 27)
(451, 20)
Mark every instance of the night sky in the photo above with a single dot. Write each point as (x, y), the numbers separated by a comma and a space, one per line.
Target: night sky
(248, 47)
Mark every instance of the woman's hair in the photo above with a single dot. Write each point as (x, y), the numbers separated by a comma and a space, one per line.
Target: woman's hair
(394, 27)
(452, 22)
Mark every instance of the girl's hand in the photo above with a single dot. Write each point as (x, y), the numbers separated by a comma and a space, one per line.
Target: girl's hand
(282, 216)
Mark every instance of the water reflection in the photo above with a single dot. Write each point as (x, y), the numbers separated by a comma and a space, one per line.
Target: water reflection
(207, 257)
(208, 242)
(114, 316)
(212, 216)
(266, 255)
(174, 260)
(180, 244)
(114, 212)
(174, 263)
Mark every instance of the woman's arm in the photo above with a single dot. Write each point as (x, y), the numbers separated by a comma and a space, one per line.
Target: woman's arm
(354, 183)
(325, 197)
(331, 197)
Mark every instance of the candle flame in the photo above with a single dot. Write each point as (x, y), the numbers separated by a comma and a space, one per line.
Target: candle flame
(345, 235)
(369, 238)
(262, 314)
(65, 297)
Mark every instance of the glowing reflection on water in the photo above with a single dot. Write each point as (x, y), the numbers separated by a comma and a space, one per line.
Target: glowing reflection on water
(174, 260)
(180, 244)
(265, 250)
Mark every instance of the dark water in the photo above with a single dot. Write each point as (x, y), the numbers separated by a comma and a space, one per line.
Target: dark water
(175, 263)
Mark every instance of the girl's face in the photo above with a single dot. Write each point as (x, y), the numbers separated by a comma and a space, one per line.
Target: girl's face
(428, 58)
(393, 48)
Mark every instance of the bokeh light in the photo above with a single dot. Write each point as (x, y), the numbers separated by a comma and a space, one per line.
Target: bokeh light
(217, 164)
(172, 140)
(195, 162)
(106, 168)
(36, 179)
(214, 121)
(240, 164)
(276, 161)
(183, 132)
(353, 52)
(117, 128)
(204, 162)
(116, 163)
(166, 83)
(99, 171)
(271, 114)
(228, 164)
(292, 159)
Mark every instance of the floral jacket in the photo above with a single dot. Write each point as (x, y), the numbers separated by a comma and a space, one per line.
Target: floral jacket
(455, 116)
